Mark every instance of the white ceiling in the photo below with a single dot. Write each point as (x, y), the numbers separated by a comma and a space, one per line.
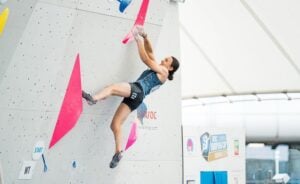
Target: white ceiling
(239, 47)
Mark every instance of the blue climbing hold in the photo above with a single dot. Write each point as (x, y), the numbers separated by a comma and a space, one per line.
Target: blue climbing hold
(44, 162)
(74, 164)
(123, 4)
(141, 112)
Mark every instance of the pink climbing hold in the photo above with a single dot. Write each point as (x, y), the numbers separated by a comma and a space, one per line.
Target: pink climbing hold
(71, 107)
(140, 20)
(132, 136)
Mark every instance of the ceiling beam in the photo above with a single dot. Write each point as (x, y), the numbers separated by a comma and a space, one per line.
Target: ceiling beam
(210, 62)
(270, 35)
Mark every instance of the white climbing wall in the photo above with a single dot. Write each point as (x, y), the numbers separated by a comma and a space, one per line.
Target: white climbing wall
(20, 12)
(37, 52)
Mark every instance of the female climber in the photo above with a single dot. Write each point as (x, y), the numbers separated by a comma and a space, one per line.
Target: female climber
(135, 92)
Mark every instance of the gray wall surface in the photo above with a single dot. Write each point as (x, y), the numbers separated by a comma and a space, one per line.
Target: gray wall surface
(37, 54)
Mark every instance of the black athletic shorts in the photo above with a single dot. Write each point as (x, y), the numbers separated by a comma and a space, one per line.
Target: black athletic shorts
(136, 96)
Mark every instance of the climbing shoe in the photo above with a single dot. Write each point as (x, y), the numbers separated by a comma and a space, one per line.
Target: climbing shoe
(88, 98)
(116, 159)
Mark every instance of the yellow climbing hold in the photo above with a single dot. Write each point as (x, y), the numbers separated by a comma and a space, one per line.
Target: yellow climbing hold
(3, 18)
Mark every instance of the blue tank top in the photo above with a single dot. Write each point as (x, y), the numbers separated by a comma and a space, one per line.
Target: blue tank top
(149, 81)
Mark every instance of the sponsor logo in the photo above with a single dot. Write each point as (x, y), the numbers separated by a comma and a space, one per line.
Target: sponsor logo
(133, 95)
(190, 145)
(213, 147)
(236, 147)
(144, 113)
